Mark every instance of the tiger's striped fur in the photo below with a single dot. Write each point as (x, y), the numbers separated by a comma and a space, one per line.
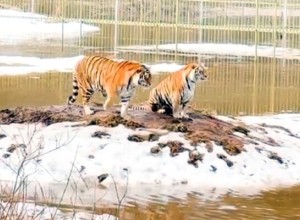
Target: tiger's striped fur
(112, 78)
(172, 95)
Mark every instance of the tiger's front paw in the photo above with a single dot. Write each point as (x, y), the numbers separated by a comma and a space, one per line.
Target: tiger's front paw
(88, 111)
(161, 111)
(126, 117)
(177, 116)
(186, 116)
(124, 114)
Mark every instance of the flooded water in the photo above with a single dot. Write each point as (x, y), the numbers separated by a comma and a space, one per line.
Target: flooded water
(280, 204)
(233, 88)
(274, 204)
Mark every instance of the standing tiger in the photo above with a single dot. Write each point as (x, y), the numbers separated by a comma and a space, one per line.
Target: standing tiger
(112, 78)
(172, 94)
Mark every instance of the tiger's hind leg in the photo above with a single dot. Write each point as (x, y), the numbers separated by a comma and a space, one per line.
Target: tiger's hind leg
(86, 94)
(176, 108)
(183, 113)
(124, 107)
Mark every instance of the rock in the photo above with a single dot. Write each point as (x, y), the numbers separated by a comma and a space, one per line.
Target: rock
(194, 156)
(209, 147)
(155, 150)
(12, 148)
(91, 156)
(274, 156)
(227, 161)
(242, 130)
(6, 155)
(102, 177)
(100, 134)
(141, 138)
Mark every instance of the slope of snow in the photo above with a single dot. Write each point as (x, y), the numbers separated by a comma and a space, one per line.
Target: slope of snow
(62, 148)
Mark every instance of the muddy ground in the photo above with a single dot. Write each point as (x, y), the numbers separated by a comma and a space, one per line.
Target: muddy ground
(203, 128)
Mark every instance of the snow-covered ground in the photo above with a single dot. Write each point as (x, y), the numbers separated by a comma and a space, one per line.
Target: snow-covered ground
(220, 49)
(16, 65)
(56, 152)
(18, 27)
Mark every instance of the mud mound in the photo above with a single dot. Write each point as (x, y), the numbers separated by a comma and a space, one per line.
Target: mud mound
(33, 115)
(199, 129)
(113, 121)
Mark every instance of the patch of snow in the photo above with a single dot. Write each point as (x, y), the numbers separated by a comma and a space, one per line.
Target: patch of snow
(18, 65)
(60, 149)
(224, 49)
(18, 27)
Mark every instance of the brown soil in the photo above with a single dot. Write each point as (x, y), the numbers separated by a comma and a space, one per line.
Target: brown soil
(202, 128)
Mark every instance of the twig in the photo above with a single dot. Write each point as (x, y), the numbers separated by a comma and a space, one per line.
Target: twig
(68, 181)
(118, 197)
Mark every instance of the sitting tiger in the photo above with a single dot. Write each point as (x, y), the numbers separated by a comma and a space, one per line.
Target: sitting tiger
(172, 95)
(112, 78)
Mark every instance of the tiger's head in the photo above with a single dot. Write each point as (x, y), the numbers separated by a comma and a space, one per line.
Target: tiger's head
(197, 72)
(143, 77)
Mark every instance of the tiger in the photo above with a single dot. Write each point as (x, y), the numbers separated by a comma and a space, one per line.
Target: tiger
(112, 78)
(173, 93)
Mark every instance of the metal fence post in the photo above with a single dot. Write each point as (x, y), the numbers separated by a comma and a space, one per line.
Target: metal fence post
(116, 27)
(157, 36)
(200, 26)
(32, 5)
(80, 29)
(284, 31)
(62, 25)
(273, 68)
(255, 59)
(176, 30)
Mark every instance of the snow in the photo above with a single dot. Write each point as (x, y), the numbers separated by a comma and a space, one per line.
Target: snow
(227, 49)
(63, 148)
(24, 26)
(18, 65)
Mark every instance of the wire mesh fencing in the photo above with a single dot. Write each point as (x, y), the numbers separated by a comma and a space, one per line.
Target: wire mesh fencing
(251, 47)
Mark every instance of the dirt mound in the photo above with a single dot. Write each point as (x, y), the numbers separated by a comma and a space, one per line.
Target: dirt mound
(200, 129)
(32, 115)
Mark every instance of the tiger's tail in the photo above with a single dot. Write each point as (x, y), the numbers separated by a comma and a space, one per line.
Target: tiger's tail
(72, 98)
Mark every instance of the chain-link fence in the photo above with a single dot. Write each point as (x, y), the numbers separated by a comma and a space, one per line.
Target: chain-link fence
(251, 46)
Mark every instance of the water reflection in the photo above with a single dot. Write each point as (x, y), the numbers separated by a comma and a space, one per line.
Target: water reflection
(277, 204)
(233, 88)
(274, 204)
